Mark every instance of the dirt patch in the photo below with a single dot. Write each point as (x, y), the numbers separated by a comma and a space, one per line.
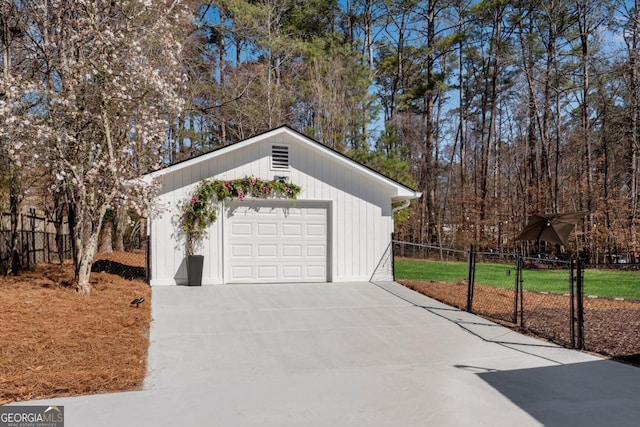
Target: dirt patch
(610, 325)
(55, 342)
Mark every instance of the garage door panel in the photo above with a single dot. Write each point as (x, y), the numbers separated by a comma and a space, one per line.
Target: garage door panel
(267, 272)
(292, 230)
(276, 243)
(317, 212)
(316, 250)
(239, 211)
(292, 272)
(291, 250)
(268, 212)
(241, 229)
(293, 212)
(238, 250)
(242, 272)
(267, 250)
(316, 230)
(318, 272)
(267, 229)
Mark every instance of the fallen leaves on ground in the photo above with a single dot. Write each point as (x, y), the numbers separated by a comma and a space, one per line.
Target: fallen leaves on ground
(55, 342)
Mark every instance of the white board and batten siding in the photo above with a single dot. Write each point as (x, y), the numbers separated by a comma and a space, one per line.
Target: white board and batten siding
(337, 230)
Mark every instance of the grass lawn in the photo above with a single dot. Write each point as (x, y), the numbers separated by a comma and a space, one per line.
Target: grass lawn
(602, 283)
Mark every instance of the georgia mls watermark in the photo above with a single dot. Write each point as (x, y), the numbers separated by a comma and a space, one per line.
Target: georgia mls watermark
(31, 416)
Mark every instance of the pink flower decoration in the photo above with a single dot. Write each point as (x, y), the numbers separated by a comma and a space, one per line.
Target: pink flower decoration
(194, 200)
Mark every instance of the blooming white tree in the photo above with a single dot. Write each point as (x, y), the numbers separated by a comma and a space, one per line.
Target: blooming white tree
(109, 75)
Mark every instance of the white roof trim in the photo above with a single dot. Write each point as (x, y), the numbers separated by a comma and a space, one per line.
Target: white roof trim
(402, 192)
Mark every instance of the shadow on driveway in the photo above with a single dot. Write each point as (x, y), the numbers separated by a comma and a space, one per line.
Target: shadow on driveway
(596, 393)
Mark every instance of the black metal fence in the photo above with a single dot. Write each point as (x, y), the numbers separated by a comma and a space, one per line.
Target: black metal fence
(547, 297)
(39, 240)
(36, 241)
(498, 302)
(609, 326)
(547, 313)
(415, 250)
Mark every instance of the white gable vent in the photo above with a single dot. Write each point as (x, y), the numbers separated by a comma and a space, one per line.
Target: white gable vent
(280, 157)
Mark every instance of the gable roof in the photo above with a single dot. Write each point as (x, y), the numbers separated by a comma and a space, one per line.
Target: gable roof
(402, 191)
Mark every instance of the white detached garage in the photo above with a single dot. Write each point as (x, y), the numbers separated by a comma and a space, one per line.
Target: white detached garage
(338, 229)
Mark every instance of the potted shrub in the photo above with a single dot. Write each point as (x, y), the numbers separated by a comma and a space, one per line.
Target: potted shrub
(198, 213)
(201, 210)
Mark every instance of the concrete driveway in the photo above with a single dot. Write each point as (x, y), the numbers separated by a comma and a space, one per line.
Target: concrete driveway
(348, 354)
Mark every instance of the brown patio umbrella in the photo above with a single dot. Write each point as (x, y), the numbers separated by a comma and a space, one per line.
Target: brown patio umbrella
(552, 228)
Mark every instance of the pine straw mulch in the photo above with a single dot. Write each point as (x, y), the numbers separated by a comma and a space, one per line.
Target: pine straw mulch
(610, 325)
(55, 342)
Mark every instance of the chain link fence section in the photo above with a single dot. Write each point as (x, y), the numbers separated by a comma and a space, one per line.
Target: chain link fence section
(550, 298)
(428, 252)
(534, 293)
(428, 281)
(546, 304)
(610, 325)
(494, 294)
(384, 269)
(129, 265)
(132, 263)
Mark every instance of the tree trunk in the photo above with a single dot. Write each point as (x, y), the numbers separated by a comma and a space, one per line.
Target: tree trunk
(463, 111)
(106, 238)
(14, 207)
(632, 46)
(222, 64)
(120, 227)
(431, 126)
(84, 268)
(490, 108)
(367, 46)
(88, 251)
(583, 22)
(58, 209)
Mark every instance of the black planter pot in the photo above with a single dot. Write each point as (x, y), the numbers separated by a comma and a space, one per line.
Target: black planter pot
(194, 269)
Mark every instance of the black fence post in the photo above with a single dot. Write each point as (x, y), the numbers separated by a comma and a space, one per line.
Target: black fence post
(471, 278)
(393, 256)
(24, 248)
(520, 291)
(516, 288)
(579, 304)
(147, 275)
(572, 318)
(33, 237)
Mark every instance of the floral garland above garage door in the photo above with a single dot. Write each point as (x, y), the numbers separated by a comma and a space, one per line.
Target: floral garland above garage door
(201, 209)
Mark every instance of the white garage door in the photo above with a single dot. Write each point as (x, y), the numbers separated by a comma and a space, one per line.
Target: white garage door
(275, 242)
